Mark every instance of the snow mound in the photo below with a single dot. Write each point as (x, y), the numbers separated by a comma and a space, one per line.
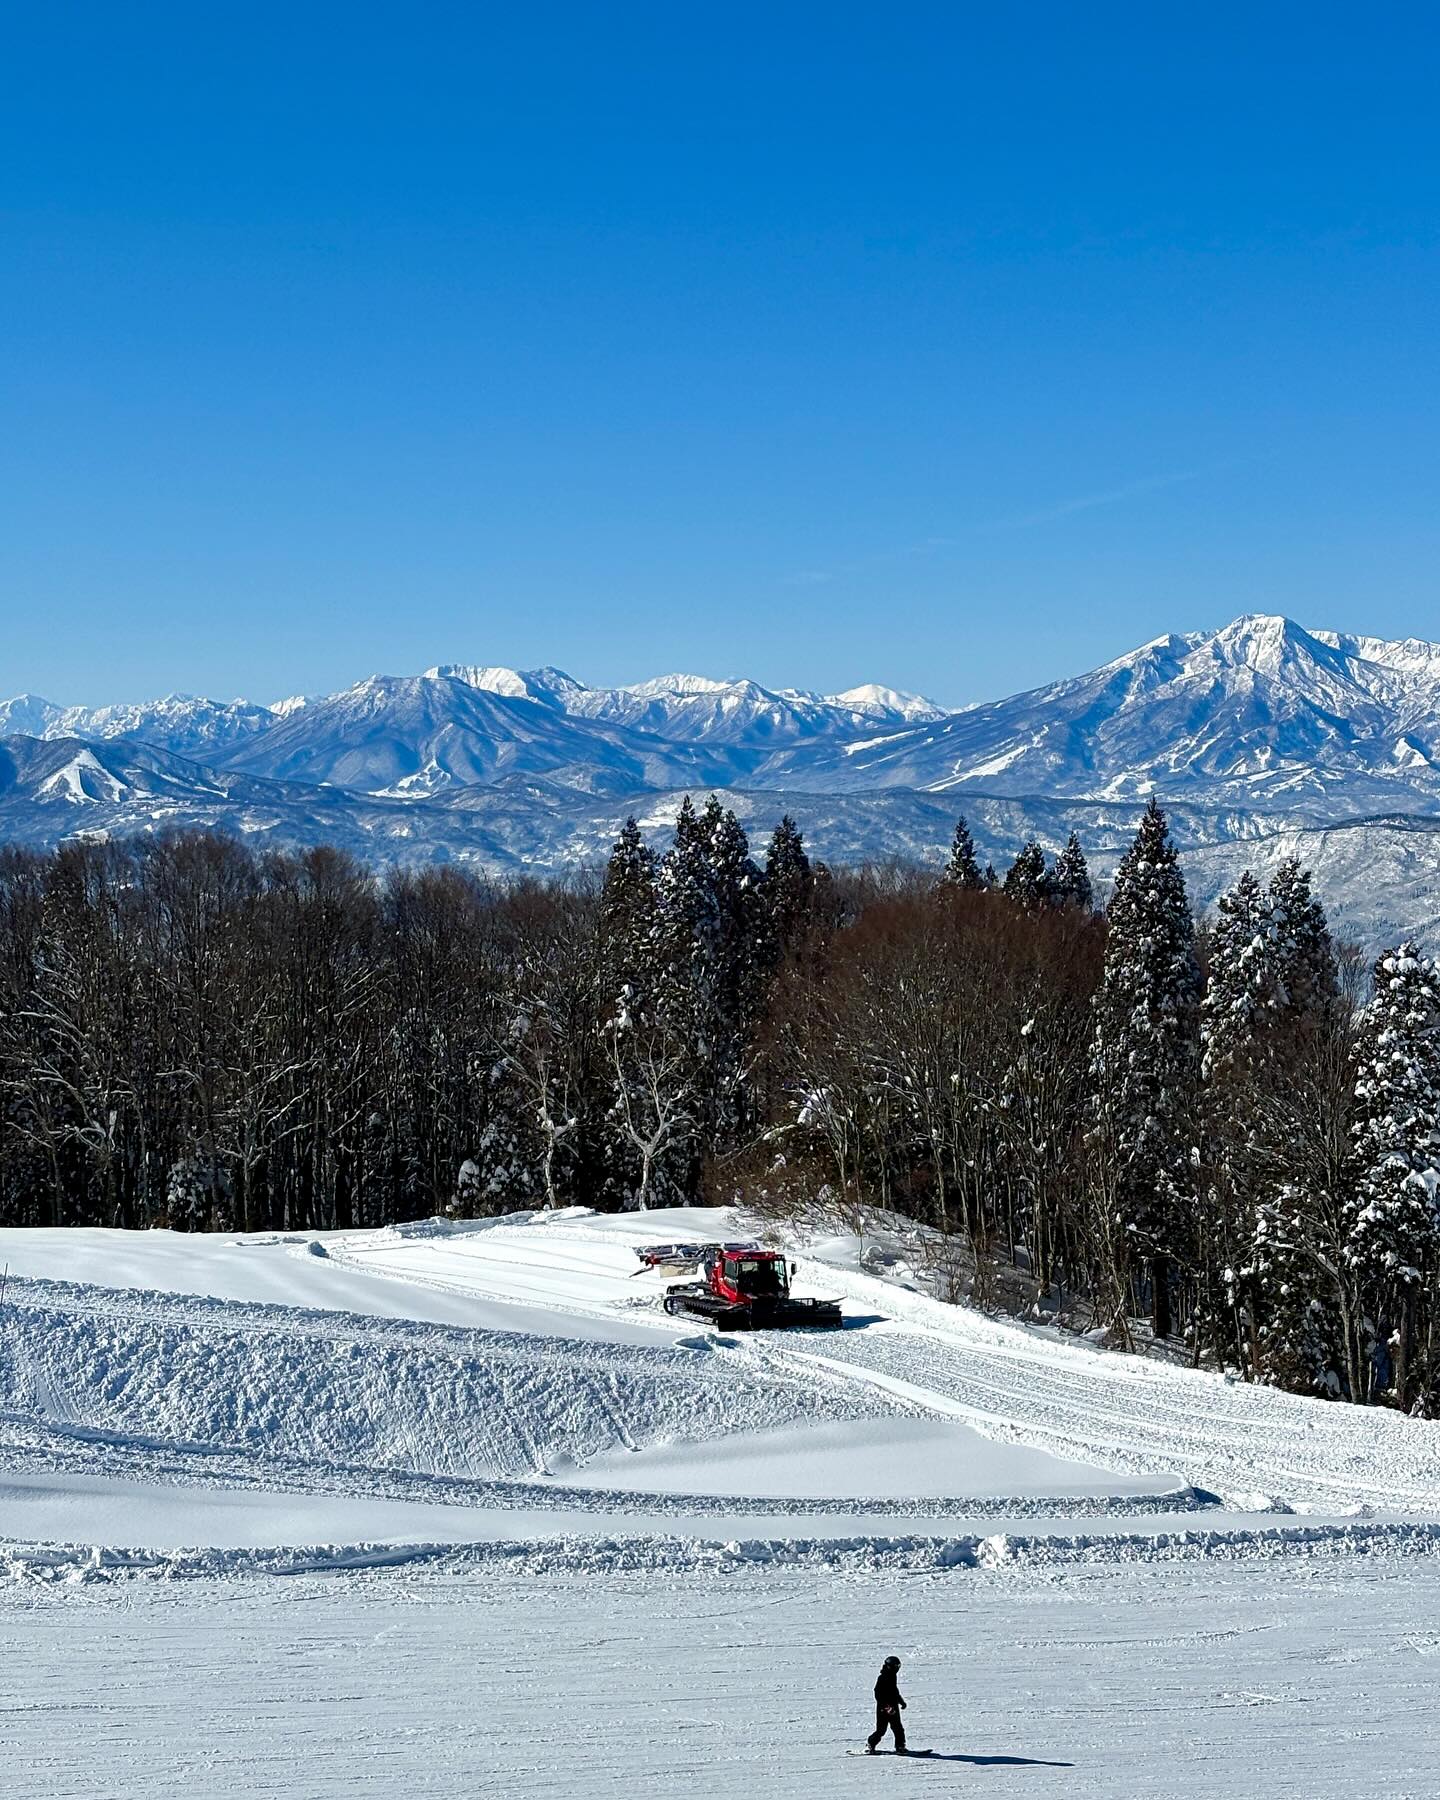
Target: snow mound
(341, 1390)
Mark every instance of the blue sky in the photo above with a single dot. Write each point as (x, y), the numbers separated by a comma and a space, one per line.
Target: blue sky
(957, 346)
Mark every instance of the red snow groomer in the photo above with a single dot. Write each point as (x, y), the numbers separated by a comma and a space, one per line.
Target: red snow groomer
(742, 1288)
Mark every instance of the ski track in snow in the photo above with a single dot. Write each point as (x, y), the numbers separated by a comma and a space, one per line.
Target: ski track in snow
(328, 1387)
(195, 1390)
(624, 1607)
(1016, 1385)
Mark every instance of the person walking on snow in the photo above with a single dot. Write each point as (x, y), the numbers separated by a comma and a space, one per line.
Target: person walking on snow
(888, 1707)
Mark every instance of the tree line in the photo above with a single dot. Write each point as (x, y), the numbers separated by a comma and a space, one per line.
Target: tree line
(1230, 1131)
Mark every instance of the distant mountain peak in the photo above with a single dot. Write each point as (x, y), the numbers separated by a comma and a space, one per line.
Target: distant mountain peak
(1264, 642)
(546, 687)
(688, 685)
(874, 698)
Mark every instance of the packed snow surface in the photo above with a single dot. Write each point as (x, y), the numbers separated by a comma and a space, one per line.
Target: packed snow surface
(443, 1363)
(456, 1508)
(1247, 1680)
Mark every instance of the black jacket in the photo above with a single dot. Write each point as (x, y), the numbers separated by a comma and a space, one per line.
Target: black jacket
(887, 1689)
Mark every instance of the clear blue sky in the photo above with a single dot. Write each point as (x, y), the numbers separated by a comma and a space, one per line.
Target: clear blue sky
(954, 345)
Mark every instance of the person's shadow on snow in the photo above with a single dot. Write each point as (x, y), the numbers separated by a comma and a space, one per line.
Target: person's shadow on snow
(988, 1762)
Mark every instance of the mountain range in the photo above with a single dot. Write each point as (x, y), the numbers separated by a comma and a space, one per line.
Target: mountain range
(1263, 738)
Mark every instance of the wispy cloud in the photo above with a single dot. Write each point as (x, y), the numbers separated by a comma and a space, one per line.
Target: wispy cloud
(1062, 509)
(1041, 515)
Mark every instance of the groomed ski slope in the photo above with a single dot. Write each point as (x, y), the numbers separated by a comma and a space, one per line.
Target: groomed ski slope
(523, 1366)
(458, 1509)
(1237, 1681)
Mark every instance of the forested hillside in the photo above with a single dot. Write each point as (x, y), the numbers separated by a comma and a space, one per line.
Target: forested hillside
(1110, 1116)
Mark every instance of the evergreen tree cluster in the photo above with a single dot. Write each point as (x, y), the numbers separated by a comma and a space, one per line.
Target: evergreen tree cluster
(1030, 880)
(1233, 1131)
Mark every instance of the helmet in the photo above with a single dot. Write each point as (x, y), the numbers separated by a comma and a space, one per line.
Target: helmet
(892, 1662)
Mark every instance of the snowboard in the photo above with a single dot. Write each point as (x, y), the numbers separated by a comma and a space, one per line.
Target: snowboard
(908, 1753)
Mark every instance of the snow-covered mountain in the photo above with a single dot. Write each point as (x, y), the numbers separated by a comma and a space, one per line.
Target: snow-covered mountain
(546, 687)
(419, 734)
(1260, 712)
(696, 709)
(466, 723)
(1258, 736)
(180, 722)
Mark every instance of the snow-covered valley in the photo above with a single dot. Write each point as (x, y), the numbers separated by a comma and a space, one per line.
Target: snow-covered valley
(435, 1489)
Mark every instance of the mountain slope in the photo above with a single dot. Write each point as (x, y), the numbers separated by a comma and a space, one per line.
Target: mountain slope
(420, 734)
(1257, 736)
(697, 709)
(1261, 712)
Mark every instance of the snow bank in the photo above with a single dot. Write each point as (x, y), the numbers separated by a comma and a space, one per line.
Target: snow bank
(678, 1556)
(341, 1389)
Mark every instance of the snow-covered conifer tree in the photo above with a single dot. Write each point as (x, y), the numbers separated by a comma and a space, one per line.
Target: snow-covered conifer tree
(1070, 883)
(1305, 968)
(1028, 880)
(1242, 986)
(687, 924)
(1394, 1242)
(187, 1196)
(963, 870)
(1276, 1109)
(739, 975)
(786, 890)
(1144, 1060)
(1240, 994)
(628, 916)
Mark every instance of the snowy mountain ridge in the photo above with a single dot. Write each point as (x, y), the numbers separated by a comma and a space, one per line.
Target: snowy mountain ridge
(1261, 709)
(1259, 712)
(1258, 733)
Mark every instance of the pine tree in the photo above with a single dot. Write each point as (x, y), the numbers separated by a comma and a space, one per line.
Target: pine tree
(1305, 968)
(687, 925)
(1270, 1056)
(1070, 878)
(962, 870)
(469, 1192)
(1144, 1060)
(1300, 1337)
(1240, 993)
(1394, 1242)
(787, 891)
(628, 919)
(506, 1151)
(739, 973)
(188, 1196)
(1242, 985)
(1027, 881)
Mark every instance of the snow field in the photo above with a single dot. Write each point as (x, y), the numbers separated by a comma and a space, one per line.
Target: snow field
(1016, 1385)
(454, 1511)
(920, 1425)
(1255, 1682)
